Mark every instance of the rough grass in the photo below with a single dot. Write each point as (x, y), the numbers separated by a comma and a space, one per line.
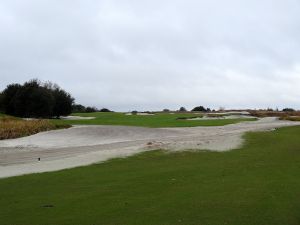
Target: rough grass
(256, 185)
(11, 127)
(157, 120)
(280, 114)
(291, 118)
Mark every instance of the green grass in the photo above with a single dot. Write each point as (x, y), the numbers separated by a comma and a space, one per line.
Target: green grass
(157, 120)
(256, 185)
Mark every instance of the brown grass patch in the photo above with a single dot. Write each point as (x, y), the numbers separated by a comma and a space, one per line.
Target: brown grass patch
(14, 128)
(291, 118)
(280, 114)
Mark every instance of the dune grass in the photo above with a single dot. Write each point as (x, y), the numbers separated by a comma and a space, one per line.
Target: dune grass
(11, 127)
(291, 118)
(256, 185)
(157, 120)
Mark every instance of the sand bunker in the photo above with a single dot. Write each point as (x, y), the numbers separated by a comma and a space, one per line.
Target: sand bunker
(223, 117)
(231, 113)
(83, 145)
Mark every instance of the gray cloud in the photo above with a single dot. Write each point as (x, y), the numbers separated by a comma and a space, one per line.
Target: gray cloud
(156, 54)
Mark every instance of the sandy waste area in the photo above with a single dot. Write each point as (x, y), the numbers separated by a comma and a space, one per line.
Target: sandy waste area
(84, 145)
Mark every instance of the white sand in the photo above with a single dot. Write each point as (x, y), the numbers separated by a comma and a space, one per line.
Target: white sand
(223, 117)
(231, 113)
(84, 145)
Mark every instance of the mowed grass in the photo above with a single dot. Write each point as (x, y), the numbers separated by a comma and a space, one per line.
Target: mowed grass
(256, 185)
(157, 120)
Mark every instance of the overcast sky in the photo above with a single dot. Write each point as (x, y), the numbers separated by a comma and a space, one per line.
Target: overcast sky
(150, 55)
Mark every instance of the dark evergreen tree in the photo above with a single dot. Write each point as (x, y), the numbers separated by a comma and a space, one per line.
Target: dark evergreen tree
(36, 99)
(200, 109)
(77, 108)
(63, 102)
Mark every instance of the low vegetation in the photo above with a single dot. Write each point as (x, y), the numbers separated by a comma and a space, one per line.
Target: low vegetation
(11, 127)
(257, 184)
(280, 114)
(291, 118)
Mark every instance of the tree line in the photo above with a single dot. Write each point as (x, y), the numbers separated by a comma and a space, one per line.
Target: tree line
(78, 108)
(35, 99)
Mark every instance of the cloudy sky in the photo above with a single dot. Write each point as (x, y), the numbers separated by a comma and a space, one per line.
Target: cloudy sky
(150, 55)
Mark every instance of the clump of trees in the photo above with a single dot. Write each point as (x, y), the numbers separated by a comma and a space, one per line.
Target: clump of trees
(288, 110)
(35, 99)
(200, 109)
(182, 109)
(77, 108)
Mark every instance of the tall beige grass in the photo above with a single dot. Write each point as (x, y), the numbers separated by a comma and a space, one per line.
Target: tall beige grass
(14, 128)
(291, 118)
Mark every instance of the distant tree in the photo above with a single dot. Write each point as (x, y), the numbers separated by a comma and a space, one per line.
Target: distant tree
(288, 110)
(104, 110)
(134, 112)
(166, 110)
(77, 108)
(182, 109)
(200, 109)
(91, 109)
